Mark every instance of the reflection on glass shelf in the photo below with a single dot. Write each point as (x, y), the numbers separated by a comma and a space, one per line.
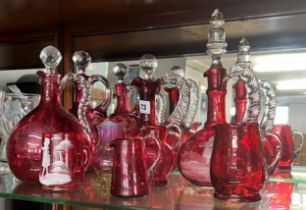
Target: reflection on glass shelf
(281, 193)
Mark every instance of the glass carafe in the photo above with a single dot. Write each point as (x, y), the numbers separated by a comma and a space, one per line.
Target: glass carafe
(150, 131)
(83, 85)
(194, 156)
(122, 122)
(237, 166)
(25, 142)
(271, 142)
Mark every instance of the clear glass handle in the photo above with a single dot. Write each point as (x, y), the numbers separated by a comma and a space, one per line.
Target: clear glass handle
(161, 107)
(178, 115)
(108, 93)
(194, 102)
(270, 105)
(299, 148)
(279, 148)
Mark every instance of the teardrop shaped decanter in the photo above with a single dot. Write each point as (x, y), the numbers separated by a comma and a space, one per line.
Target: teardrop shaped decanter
(194, 156)
(24, 147)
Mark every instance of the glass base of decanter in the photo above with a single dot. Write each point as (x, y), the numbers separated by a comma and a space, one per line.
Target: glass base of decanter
(60, 188)
(236, 198)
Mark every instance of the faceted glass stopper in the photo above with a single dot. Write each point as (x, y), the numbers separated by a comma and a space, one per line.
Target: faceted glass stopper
(178, 71)
(148, 64)
(120, 71)
(81, 60)
(243, 56)
(50, 57)
(216, 36)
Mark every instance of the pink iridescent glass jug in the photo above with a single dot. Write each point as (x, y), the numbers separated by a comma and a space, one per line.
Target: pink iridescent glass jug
(237, 166)
(25, 142)
(130, 172)
(271, 142)
(194, 156)
(121, 123)
(149, 89)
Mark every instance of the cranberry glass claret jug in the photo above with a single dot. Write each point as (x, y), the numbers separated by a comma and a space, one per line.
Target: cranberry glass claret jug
(25, 142)
(237, 166)
(194, 156)
(83, 85)
(148, 89)
(119, 124)
(271, 142)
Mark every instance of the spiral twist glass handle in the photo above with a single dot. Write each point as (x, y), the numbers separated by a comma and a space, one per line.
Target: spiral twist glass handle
(194, 102)
(179, 113)
(270, 105)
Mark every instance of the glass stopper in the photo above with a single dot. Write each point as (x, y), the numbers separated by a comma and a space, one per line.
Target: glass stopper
(179, 71)
(120, 71)
(148, 64)
(243, 56)
(50, 57)
(81, 60)
(216, 36)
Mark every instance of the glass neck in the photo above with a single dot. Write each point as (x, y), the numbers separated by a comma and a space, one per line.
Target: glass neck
(216, 94)
(240, 101)
(50, 88)
(173, 97)
(123, 99)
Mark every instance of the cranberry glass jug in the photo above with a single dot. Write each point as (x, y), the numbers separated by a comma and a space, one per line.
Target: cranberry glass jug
(129, 171)
(83, 85)
(237, 164)
(194, 156)
(271, 142)
(25, 142)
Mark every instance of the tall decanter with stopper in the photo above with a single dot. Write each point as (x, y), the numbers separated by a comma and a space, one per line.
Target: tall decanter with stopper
(194, 156)
(121, 123)
(150, 131)
(25, 142)
(83, 85)
(271, 142)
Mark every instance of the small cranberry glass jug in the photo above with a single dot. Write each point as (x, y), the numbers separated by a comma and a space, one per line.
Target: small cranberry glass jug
(129, 171)
(237, 166)
(271, 142)
(25, 141)
(123, 121)
(287, 137)
(194, 156)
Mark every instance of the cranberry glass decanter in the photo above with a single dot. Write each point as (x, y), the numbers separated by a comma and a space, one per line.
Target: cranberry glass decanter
(121, 123)
(25, 142)
(237, 164)
(194, 156)
(150, 131)
(271, 142)
(83, 85)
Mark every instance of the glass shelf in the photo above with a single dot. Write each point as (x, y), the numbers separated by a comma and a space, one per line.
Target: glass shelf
(284, 191)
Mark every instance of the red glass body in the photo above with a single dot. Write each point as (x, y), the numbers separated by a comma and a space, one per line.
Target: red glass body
(63, 159)
(149, 128)
(194, 156)
(129, 172)
(120, 123)
(288, 154)
(237, 164)
(25, 141)
(271, 142)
